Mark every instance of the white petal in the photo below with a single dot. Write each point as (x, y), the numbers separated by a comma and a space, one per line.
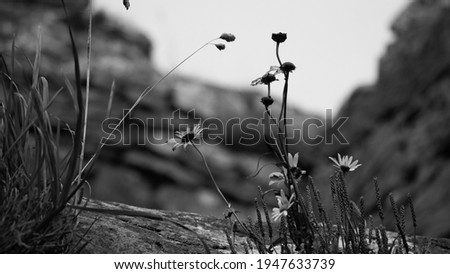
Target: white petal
(176, 146)
(350, 160)
(295, 163)
(276, 214)
(172, 141)
(256, 82)
(186, 144)
(276, 175)
(334, 161)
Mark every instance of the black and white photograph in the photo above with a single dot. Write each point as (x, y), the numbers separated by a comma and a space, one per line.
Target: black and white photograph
(267, 128)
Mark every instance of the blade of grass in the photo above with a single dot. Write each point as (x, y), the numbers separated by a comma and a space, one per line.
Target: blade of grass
(71, 92)
(37, 61)
(77, 145)
(111, 98)
(45, 127)
(86, 104)
(65, 195)
(88, 168)
(29, 125)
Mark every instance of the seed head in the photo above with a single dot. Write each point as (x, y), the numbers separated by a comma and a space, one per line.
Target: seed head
(287, 67)
(279, 37)
(267, 101)
(126, 3)
(227, 37)
(220, 46)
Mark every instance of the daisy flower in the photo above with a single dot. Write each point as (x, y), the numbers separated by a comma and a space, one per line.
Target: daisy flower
(268, 77)
(279, 177)
(276, 178)
(283, 205)
(185, 138)
(345, 163)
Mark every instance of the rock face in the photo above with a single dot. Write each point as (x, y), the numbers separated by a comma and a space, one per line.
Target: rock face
(399, 127)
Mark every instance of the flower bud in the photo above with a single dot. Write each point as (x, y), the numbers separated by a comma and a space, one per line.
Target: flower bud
(287, 67)
(279, 37)
(227, 37)
(126, 3)
(267, 101)
(220, 46)
(268, 78)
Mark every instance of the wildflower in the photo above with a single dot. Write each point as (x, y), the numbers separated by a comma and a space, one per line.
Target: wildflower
(186, 137)
(283, 205)
(279, 177)
(220, 46)
(345, 163)
(293, 161)
(276, 178)
(279, 37)
(227, 37)
(287, 67)
(268, 77)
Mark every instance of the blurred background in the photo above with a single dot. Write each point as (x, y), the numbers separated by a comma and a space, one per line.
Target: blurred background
(335, 45)
(385, 65)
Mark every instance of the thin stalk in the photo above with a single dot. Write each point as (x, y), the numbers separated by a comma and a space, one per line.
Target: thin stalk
(277, 51)
(144, 93)
(284, 108)
(211, 176)
(282, 153)
(86, 109)
(218, 189)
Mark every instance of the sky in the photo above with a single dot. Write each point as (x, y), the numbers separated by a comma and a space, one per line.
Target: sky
(335, 45)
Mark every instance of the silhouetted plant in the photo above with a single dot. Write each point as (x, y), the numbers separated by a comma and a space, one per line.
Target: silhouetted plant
(304, 226)
(40, 189)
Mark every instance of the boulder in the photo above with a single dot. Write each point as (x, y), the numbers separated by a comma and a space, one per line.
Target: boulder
(113, 233)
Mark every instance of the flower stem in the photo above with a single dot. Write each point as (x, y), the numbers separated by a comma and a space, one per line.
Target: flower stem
(277, 51)
(86, 104)
(144, 93)
(210, 175)
(280, 153)
(218, 189)
(285, 92)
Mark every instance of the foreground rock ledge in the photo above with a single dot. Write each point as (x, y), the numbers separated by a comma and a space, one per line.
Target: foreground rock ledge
(121, 234)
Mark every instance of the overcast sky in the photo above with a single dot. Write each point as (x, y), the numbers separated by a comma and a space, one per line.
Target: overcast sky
(335, 45)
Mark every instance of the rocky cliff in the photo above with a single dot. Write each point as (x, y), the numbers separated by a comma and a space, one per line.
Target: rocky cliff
(398, 127)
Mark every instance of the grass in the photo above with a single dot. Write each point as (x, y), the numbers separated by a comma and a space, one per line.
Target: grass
(40, 186)
(34, 186)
